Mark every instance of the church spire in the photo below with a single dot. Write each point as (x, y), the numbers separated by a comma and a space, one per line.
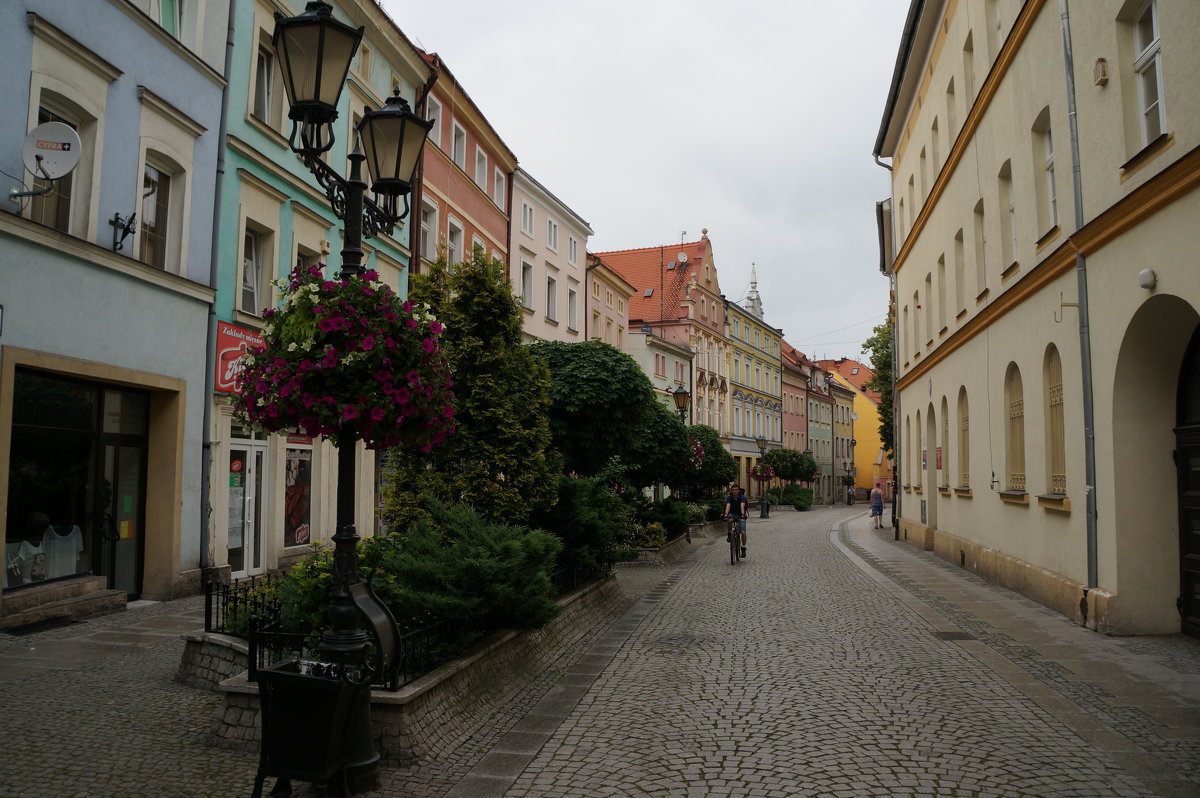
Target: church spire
(753, 300)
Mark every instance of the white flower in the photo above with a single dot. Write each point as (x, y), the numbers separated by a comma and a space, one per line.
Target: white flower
(292, 347)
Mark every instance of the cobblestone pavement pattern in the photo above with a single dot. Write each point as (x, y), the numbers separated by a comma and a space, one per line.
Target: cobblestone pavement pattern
(820, 666)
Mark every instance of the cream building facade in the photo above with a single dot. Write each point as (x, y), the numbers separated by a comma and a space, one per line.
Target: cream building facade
(1047, 346)
(756, 383)
(548, 263)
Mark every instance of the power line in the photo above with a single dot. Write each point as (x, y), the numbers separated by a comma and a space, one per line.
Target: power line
(847, 327)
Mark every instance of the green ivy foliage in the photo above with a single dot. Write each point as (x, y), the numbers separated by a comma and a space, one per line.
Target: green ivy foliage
(600, 400)
(499, 462)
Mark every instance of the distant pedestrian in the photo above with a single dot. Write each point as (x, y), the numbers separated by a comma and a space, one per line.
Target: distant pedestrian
(877, 506)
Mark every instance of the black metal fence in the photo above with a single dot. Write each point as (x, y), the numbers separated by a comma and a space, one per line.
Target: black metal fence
(229, 607)
(249, 609)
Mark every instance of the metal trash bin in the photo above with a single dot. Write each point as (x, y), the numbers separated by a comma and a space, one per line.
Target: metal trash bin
(316, 727)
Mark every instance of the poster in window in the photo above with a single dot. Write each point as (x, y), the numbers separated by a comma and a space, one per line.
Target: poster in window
(297, 507)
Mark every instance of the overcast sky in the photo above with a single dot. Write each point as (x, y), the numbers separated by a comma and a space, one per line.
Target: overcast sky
(655, 119)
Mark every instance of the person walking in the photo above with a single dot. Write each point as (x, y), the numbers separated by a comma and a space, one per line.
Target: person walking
(877, 506)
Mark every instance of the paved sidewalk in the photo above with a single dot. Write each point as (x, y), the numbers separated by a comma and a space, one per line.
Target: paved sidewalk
(820, 666)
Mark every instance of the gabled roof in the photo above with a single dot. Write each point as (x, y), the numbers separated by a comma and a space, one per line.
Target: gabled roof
(854, 373)
(660, 279)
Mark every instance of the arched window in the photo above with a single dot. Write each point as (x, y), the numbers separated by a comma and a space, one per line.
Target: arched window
(1014, 449)
(908, 451)
(945, 442)
(1056, 450)
(964, 440)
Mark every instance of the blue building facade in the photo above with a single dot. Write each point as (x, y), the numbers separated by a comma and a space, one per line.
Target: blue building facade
(107, 285)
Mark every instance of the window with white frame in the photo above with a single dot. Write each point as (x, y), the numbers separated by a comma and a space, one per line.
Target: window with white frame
(526, 218)
(572, 309)
(499, 189)
(255, 251)
(429, 229)
(454, 241)
(477, 243)
(551, 298)
(1147, 65)
(154, 219)
(52, 208)
(433, 112)
(481, 167)
(660, 365)
(552, 234)
(264, 86)
(458, 151)
(572, 251)
(1043, 158)
(1008, 217)
(527, 284)
(362, 62)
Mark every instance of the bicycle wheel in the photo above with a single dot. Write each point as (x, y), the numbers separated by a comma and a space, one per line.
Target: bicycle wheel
(735, 545)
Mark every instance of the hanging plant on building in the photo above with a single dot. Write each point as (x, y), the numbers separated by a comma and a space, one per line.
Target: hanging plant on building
(762, 472)
(348, 357)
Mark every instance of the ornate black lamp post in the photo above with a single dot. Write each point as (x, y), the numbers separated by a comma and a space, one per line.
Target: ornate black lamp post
(681, 397)
(314, 52)
(765, 505)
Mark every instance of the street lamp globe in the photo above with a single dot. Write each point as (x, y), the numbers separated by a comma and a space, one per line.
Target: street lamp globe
(393, 138)
(762, 444)
(681, 396)
(314, 52)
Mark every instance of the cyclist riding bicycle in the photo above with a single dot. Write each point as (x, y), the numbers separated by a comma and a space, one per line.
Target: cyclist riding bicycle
(737, 509)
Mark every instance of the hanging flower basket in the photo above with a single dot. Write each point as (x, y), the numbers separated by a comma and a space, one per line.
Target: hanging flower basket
(761, 472)
(348, 359)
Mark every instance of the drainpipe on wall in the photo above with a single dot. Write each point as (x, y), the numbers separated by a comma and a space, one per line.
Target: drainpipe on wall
(418, 186)
(1085, 338)
(211, 336)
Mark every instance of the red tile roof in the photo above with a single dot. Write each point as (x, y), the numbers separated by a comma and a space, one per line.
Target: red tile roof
(658, 269)
(846, 367)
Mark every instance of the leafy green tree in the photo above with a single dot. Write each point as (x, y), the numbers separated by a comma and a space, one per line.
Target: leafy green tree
(717, 469)
(661, 451)
(788, 463)
(498, 462)
(600, 402)
(807, 468)
(878, 349)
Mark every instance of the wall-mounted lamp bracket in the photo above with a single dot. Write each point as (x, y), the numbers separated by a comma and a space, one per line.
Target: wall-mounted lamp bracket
(122, 229)
(1058, 316)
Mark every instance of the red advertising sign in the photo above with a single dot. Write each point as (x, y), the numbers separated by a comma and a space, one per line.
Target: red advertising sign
(232, 343)
(939, 458)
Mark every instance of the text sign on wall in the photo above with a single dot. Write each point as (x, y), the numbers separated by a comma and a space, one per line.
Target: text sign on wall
(232, 343)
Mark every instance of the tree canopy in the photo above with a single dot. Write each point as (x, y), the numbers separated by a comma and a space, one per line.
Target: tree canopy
(498, 463)
(717, 469)
(600, 402)
(878, 349)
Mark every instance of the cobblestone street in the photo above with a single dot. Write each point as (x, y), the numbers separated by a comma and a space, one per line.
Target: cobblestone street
(831, 662)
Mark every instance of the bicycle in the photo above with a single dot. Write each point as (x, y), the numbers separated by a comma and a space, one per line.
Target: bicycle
(734, 536)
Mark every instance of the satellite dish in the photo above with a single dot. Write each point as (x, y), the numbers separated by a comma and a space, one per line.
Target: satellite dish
(681, 257)
(51, 150)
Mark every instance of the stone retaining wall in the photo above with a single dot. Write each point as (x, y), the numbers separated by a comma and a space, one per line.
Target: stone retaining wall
(439, 711)
(209, 659)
